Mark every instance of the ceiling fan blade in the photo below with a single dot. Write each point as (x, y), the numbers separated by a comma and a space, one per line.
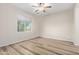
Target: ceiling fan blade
(48, 6)
(34, 6)
(36, 10)
(37, 13)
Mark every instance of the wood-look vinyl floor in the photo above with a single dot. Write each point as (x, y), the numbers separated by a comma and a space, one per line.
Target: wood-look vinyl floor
(41, 46)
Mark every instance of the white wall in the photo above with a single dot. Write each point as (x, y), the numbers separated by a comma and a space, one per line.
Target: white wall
(58, 26)
(8, 25)
(76, 25)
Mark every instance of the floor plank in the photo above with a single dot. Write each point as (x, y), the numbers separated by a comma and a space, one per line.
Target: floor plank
(37, 49)
(21, 50)
(41, 46)
(59, 46)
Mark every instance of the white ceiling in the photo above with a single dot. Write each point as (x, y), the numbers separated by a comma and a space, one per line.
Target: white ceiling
(56, 7)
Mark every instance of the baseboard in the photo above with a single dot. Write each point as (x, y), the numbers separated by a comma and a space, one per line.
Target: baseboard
(30, 39)
(76, 43)
(21, 40)
(56, 37)
(59, 40)
(34, 37)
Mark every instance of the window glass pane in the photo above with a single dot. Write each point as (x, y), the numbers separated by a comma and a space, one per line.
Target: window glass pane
(23, 25)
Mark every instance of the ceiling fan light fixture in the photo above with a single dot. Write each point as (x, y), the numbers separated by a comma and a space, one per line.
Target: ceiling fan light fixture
(40, 8)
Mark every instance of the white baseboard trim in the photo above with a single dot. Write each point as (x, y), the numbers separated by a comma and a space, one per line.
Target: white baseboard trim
(76, 43)
(57, 37)
(36, 36)
(17, 41)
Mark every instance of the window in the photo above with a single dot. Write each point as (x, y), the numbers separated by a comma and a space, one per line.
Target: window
(23, 24)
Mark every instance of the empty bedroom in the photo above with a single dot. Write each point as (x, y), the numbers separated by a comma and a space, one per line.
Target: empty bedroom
(39, 29)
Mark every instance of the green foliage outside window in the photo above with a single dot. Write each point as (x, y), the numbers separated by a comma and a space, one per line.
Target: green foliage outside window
(23, 25)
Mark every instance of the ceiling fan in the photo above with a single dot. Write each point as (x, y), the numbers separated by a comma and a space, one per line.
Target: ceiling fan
(41, 7)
